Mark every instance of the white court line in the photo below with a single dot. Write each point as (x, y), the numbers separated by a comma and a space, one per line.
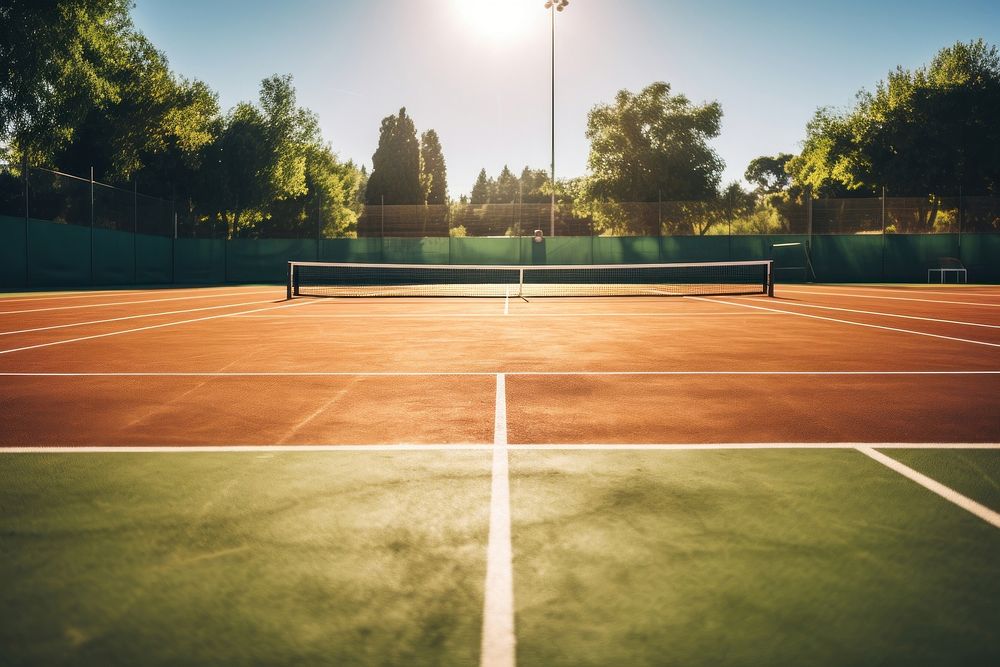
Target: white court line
(82, 294)
(414, 447)
(131, 317)
(638, 447)
(425, 316)
(875, 312)
(236, 449)
(919, 289)
(506, 301)
(857, 324)
(949, 494)
(894, 298)
(152, 326)
(498, 641)
(132, 303)
(464, 373)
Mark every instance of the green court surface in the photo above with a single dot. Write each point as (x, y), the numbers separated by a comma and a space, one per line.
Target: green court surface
(243, 558)
(974, 473)
(745, 558)
(662, 557)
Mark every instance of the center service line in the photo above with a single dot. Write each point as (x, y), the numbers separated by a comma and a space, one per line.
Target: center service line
(497, 648)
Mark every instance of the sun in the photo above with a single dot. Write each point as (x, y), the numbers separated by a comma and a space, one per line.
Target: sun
(500, 20)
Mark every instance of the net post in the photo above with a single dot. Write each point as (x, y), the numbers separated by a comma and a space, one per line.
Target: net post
(769, 279)
(291, 278)
(520, 282)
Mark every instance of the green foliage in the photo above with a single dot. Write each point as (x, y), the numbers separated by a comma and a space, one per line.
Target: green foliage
(82, 88)
(534, 184)
(395, 177)
(433, 172)
(155, 128)
(482, 190)
(768, 173)
(54, 59)
(932, 130)
(653, 146)
(507, 187)
(531, 187)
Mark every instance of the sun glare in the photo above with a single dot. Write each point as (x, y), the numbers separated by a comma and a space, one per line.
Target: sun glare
(500, 20)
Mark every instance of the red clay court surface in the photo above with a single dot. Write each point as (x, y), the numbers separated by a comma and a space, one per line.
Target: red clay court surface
(239, 365)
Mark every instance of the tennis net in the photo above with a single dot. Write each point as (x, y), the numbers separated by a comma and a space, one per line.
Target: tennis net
(395, 280)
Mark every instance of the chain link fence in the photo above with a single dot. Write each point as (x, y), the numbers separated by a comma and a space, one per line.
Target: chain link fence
(53, 196)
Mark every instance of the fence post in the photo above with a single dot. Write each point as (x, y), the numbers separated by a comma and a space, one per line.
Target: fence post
(27, 223)
(173, 244)
(809, 216)
(960, 213)
(883, 233)
(135, 230)
(91, 225)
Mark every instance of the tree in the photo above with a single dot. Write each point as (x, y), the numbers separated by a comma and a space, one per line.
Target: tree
(261, 156)
(245, 162)
(534, 184)
(328, 207)
(929, 131)
(768, 173)
(434, 174)
(482, 190)
(154, 129)
(653, 145)
(53, 68)
(506, 187)
(395, 177)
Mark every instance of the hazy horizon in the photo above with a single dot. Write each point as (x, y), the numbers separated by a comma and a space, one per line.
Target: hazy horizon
(477, 71)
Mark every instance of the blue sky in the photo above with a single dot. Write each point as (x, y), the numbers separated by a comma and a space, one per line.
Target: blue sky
(477, 71)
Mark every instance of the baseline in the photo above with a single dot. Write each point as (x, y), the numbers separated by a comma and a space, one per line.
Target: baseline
(132, 317)
(857, 324)
(882, 314)
(133, 303)
(147, 328)
(894, 298)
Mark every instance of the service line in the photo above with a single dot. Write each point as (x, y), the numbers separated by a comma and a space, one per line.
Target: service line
(469, 373)
(542, 315)
(435, 447)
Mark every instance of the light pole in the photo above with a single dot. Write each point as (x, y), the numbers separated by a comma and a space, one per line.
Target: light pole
(554, 6)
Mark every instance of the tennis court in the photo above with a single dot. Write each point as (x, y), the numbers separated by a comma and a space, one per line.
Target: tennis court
(223, 475)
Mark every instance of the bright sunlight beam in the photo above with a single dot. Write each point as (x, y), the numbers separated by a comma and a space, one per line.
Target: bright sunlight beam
(498, 20)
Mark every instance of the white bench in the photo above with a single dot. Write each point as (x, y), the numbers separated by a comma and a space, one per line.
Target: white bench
(946, 266)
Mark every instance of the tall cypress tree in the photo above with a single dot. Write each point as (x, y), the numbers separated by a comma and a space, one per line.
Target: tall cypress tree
(506, 186)
(482, 190)
(396, 164)
(434, 173)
